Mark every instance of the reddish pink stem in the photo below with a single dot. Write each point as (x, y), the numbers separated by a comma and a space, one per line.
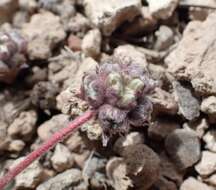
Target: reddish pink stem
(57, 137)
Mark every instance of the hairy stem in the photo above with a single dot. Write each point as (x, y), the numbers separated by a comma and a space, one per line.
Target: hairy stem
(57, 137)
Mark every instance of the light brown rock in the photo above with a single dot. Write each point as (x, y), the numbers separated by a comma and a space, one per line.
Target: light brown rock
(16, 145)
(163, 102)
(210, 140)
(64, 8)
(63, 67)
(49, 127)
(69, 103)
(43, 32)
(198, 13)
(164, 38)
(75, 142)
(12, 106)
(79, 25)
(109, 14)
(207, 164)
(80, 159)
(208, 106)
(162, 9)
(193, 59)
(28, 5)
(193, 184)
(62, 158)
(91, 43)
(23, 126)
(129, 53)
(68, 68)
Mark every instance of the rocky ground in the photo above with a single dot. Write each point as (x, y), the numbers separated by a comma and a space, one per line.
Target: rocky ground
(174, 39)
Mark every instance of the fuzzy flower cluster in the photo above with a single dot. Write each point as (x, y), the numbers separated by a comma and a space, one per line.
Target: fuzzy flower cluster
(119, 91)
(12, 55)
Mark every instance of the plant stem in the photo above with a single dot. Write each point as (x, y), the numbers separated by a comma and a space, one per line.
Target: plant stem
(46, 146)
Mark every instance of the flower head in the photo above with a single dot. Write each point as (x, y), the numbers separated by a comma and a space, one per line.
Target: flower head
(119, 91)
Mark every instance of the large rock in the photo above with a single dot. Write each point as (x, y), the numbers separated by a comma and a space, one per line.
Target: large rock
(161, 128)
(183, 147)
(109, 14)
(194, 58)
(62, 181)
(207, 164)
(193, 184)
(44, 32)
(143, 165)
